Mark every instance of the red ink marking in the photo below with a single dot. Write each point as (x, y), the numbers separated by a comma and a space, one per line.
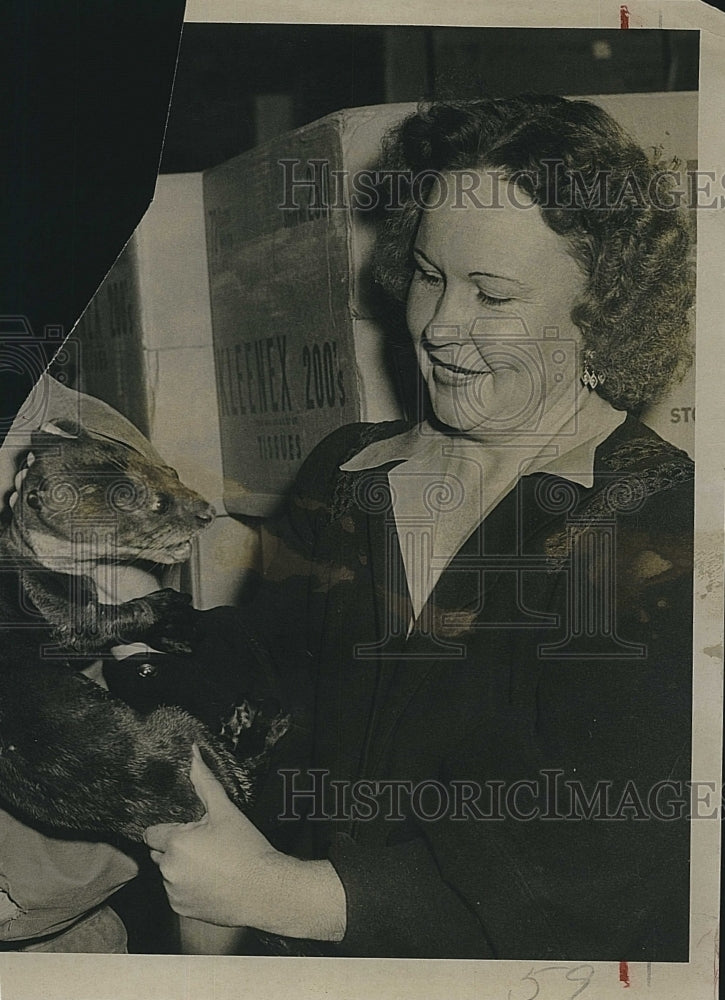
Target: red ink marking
(624, 974)
(623, 16)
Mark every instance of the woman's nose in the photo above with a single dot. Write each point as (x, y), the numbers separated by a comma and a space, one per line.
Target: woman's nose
(451, 322)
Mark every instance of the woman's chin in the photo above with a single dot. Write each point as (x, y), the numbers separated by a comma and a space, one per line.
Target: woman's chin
(459, 411)
(484, 410)
(451, 419)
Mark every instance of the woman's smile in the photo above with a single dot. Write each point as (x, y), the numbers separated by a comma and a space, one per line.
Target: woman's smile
(447, 372)
(453, 376)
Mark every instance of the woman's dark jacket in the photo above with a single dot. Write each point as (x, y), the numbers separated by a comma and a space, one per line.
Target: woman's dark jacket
(555, 650)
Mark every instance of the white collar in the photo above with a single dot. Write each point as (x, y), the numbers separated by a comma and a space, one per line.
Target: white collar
(568, 453)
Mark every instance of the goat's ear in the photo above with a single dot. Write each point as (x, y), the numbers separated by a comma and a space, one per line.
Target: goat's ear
(54, 432)
(63, 428)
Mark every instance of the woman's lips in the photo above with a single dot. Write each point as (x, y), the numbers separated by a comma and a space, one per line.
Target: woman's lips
(445, 373)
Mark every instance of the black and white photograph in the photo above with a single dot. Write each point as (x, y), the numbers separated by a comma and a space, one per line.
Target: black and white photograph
(361, 555)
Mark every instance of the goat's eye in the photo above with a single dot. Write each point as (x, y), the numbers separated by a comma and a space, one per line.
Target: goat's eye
(160, 503)
(32, 499)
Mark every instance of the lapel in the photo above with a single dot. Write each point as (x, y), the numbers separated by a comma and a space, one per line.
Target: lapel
(485, 571)
(397, 676)
(391, 601)
(365, 632)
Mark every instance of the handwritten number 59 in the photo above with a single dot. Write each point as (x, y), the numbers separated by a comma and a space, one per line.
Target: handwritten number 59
(579, 974)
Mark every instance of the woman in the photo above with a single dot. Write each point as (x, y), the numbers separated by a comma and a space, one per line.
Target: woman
(488, 614)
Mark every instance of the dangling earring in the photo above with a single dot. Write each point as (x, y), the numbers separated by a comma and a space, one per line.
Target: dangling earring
(589, 377)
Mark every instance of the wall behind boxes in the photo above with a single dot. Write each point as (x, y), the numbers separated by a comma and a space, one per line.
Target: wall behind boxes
(238, 85)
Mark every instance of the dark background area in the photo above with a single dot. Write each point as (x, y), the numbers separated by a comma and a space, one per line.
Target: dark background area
(85, 91)
(239, 84)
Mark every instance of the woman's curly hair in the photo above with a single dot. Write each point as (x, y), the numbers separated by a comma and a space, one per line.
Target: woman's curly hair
(596, 188)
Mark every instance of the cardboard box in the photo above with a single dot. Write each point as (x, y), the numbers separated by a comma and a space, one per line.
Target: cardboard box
(296, 354)
(145, 338)
(145, 345)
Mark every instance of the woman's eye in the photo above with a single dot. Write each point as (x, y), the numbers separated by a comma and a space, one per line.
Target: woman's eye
(428, 277)
(491, 300)
(160, 503)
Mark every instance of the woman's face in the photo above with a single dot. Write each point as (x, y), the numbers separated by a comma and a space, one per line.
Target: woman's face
(489, 310)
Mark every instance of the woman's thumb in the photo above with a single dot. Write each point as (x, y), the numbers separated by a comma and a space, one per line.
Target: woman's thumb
(206, 786)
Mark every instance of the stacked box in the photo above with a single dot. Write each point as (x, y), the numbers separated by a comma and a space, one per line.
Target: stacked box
(145, 346)
(297, 349)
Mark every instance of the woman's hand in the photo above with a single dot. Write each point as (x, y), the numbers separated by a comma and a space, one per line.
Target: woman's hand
(221, 869)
